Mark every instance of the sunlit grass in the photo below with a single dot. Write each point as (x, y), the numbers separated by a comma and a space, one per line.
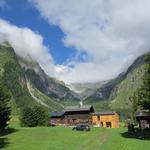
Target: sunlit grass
(63, 138)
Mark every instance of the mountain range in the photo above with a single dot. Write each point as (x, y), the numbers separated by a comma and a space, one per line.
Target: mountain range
(30, 85)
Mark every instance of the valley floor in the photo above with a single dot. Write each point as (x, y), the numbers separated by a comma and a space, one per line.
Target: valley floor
(61, 138)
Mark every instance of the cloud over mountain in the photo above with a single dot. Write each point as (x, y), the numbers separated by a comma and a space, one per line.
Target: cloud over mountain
(112, 32)
(27, 44)
(107, 34)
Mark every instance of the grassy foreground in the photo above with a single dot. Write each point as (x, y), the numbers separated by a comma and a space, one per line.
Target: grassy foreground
(61, 138)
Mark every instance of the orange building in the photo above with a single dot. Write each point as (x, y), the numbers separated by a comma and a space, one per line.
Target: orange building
(105, 119)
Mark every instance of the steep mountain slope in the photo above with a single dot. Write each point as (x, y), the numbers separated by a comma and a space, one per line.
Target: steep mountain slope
(122, 93)
(109, 90)
(104, 92)
(48, 85)
(121, 90)
(13, 76)
(23, 91)
(29, 85)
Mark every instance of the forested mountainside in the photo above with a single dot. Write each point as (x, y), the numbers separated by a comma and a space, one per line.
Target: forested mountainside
(121, 95)
(28, 84)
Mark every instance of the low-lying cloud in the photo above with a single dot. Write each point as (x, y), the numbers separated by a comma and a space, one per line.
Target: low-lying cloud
(27, 43)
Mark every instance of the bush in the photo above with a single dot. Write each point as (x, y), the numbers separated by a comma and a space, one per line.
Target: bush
(35, 116)
(28, 118)
(42, 115)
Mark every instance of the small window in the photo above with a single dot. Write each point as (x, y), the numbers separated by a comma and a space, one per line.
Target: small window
(73, 120)
(108, 124)
(98, 118)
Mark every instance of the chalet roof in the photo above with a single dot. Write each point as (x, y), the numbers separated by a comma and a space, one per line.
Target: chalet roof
(142, 113)
(57, 114)
(103, 113)
(78, 108)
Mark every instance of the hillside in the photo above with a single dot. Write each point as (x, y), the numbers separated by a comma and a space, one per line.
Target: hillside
(122, 93)
(47, 85)
(24, 92)
(29, 85)
(109, 90)
(13, 77)
(116, 94)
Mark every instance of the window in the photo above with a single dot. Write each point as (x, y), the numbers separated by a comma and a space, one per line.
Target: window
(108, 124)
(98, 118)
(73, 120)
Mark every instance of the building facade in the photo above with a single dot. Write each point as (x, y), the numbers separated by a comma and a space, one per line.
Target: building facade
(74, 115)
(56, 118)
(105, 119)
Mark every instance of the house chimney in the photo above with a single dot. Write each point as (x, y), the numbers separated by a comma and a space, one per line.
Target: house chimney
(80, 104)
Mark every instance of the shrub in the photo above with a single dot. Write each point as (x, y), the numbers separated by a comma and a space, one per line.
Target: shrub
(35, 116)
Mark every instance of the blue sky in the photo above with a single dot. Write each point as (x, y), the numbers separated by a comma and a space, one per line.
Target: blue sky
(21, 13)
(76, 40)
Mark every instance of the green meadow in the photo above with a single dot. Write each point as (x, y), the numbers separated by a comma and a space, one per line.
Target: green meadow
(63, 138)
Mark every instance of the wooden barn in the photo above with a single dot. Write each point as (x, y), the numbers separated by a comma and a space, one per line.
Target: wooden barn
(105, 119)
(78, 114)
(73, 115)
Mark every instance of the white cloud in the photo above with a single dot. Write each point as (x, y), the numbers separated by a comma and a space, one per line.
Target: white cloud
(27, 43)
(112, 32)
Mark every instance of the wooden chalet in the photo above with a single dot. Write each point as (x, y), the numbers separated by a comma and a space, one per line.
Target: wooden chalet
(78, 114)
(73, 115)
(105, 119)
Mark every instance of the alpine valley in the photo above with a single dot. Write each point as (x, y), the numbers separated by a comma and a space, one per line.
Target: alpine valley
(29, 85)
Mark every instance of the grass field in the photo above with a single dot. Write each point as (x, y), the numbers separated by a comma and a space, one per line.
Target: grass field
(61, 138)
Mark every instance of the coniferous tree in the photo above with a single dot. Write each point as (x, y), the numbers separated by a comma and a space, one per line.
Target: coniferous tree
(41, 115)
(34, 116)
(28, 117)
(4, 108)
(142, 95)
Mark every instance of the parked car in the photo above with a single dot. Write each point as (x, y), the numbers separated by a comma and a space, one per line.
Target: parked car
(82, 127)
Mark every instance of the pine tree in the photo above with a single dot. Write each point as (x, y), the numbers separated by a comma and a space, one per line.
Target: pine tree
(28, 117)
(42, 115)
(143, 93)
(34, 116)
(4, 108)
